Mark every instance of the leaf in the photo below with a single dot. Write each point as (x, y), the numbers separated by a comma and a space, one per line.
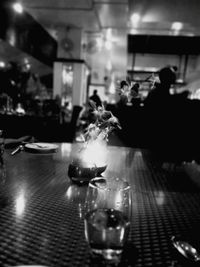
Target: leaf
(92, 104)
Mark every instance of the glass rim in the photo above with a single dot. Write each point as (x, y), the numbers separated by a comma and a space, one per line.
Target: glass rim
(124, 188)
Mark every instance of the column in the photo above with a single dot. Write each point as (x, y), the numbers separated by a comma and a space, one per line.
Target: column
(70, 53)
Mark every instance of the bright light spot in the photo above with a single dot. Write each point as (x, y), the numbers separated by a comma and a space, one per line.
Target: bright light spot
(95, 154)
(19, 109)
(108, 44)
(118, 200)
(2, 64)
(177, 26)
(18, 8)
(28, 66)
(67, 75)
(112, 88)
(135, 18)
(20, 204)
(69, 193)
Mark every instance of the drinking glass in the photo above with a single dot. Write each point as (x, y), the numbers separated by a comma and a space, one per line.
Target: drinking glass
(107, 217)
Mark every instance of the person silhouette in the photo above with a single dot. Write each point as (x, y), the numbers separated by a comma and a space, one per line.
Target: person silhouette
(123, 93)
(135, 96)
(96, 98)
(166, 116)
(160, 94)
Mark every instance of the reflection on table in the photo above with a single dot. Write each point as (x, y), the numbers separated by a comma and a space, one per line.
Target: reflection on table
(41, 211)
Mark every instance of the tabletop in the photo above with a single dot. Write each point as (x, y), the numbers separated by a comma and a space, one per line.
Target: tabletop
(41, 210)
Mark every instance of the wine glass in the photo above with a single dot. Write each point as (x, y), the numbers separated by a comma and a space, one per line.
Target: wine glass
(107, 217)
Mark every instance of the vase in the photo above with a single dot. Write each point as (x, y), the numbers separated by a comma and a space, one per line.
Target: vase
(89, 162)
(80, 172)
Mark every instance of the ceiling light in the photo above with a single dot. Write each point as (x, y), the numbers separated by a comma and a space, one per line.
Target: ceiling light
(28, 66)
(2, 64)
(18, 8)
(177, 26)
(135, 18)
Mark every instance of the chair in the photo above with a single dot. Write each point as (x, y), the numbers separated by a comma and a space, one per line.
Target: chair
(69, 130)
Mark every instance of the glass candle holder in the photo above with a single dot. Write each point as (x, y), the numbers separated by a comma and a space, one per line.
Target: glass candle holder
(81, 172)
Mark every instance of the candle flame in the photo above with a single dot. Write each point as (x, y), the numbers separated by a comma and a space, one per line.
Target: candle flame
(95, 153)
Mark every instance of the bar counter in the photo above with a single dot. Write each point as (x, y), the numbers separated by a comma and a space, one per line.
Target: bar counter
(41, 210)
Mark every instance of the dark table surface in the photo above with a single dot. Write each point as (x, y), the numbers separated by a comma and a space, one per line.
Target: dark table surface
(41, 211)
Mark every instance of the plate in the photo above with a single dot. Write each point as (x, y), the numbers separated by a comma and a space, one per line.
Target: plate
(41, 148)
(30, 266)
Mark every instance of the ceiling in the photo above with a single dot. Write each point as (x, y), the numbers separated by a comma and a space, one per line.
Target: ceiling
(159, 15)
(90, 15)
(97, 16)
(9, 53)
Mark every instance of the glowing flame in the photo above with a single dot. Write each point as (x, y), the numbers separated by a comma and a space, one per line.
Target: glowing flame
(95, 153)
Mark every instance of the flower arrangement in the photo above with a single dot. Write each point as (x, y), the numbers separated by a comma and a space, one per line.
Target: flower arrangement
(105, 123)
(91, 160)
(130, 90)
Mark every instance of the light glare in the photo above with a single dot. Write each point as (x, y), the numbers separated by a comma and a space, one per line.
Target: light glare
(2, 64)
(177, 26)
(18, 8)
(135, 18)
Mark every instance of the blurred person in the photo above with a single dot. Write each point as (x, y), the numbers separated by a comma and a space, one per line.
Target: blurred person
(19, 109)
(168, 120)
(134, 94)
(123, 93)
(160, 96)
(96, 98)
(135, 90)
(160, 93)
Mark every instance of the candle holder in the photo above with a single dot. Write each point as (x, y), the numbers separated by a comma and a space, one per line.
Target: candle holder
(81, 172)
(90, 159)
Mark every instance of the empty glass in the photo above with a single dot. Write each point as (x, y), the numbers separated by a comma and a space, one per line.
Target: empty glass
(107, 216)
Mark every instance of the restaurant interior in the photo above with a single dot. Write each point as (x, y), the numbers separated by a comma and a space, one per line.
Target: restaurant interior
(53, 56)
